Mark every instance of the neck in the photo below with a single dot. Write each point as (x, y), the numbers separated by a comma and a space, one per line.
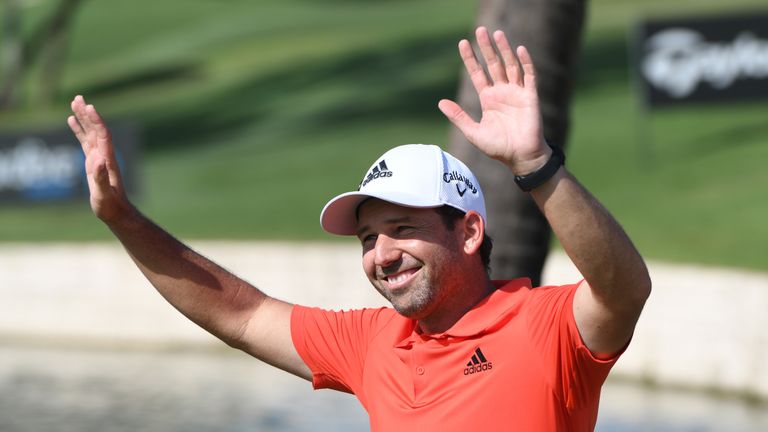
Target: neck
(461, 301)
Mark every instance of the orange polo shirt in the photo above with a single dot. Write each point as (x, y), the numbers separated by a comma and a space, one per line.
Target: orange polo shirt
(515, 362)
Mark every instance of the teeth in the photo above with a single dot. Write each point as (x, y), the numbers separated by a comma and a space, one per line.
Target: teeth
(400, 277)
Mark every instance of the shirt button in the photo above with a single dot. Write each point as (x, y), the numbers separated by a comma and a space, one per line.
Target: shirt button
(420, 370)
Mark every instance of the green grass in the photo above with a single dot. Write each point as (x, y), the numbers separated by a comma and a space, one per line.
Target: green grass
(253, 114)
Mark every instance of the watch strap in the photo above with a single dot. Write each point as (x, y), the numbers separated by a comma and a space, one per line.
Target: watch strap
(536, 178)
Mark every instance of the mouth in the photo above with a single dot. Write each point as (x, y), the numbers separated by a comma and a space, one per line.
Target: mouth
(400, 279)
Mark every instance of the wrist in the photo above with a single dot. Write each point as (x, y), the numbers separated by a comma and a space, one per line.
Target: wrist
(529, 179)
(120, 216)
(524, 168)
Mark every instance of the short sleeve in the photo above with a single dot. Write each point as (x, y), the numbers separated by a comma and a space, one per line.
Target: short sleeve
(574, 373)
(334, 344)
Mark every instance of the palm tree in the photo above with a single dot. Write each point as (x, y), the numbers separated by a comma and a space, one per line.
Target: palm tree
(11, 49)
(46, 44)
(551, 30)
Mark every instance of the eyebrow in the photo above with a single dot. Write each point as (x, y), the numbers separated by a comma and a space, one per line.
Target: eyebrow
(390, 221)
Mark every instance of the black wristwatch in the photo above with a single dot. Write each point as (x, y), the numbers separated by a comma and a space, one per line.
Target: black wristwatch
(537, 178)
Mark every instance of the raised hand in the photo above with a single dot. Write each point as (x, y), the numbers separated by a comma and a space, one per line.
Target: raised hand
(108, 199)
(510, 129)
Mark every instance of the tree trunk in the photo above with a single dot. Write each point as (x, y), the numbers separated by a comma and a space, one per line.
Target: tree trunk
(54, 50)
(551, 30)
(48, 43)
(12, 55)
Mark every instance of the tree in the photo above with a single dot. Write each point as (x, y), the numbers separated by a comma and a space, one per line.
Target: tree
(47, 44)
(551, 30)
(12, 49)
(54, 47)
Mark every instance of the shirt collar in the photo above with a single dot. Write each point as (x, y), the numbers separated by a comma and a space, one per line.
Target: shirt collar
(483, 316)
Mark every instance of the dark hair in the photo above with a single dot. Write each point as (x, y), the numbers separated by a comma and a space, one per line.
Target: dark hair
(450, 215)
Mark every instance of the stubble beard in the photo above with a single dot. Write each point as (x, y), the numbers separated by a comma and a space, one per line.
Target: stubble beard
(413, 301)
(419, 299)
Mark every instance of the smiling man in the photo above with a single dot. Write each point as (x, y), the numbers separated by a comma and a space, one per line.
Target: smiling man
(457, 351)
(406, 222)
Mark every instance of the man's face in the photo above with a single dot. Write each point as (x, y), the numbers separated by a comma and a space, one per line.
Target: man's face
(409, 255)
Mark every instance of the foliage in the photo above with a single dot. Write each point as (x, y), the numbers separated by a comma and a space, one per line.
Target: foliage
(255, 113)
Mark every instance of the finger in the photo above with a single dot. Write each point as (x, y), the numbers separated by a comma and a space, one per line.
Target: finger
(512, 66)
(76, 102)
(494, 63)
(98, 179)
(87, 120)
(74, 125)
(97, 123)
(529, 77)
(115, 179)
(77, 105)
(78, 108)
(463, 121)
(475, 71)
(83, 114)
(101, 137)
(101, 174)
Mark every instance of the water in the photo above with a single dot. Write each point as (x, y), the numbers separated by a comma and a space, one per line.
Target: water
(45, 390)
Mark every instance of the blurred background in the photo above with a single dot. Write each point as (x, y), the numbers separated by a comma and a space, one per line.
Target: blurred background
(240, 119)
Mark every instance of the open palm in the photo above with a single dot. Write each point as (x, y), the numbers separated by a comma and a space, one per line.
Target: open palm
(108, 197)
(510, 128)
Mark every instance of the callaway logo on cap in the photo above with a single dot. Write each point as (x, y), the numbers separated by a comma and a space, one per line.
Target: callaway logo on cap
(411, 175)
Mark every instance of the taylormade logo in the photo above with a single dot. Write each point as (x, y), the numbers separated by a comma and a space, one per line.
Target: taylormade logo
(376, 172)
(32, 164)
(680, 59)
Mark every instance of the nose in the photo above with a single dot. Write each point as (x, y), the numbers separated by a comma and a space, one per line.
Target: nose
(386, 251)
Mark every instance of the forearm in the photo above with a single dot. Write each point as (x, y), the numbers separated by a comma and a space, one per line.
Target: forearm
(212, 297)
(607, 305)
(204, 292)
(595, 242)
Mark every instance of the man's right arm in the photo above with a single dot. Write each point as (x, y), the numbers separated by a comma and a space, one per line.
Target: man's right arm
(215, 299)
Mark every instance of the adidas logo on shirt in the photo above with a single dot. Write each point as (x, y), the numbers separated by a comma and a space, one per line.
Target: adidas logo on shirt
(478, 363)
(378, 171)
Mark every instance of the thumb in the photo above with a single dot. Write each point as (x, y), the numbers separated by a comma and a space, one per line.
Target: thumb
(101, 175)
(463, 121)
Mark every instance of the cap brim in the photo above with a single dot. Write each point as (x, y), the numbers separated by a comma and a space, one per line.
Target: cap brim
(339, 216)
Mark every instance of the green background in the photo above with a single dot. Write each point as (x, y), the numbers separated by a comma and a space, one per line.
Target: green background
(254, 113)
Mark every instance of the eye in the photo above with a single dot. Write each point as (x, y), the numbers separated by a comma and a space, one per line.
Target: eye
(403, 229)
(368, 239)
(368, 242)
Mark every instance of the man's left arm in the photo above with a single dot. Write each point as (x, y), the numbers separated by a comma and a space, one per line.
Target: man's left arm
(608, 303)
(616, 283)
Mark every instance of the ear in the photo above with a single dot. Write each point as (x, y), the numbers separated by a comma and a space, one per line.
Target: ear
(474, 231)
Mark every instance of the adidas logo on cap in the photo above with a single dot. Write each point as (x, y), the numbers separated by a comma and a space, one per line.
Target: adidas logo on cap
(378, 171)
(424, 176)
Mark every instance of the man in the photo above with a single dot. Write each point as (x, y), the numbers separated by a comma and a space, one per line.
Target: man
(459, 351)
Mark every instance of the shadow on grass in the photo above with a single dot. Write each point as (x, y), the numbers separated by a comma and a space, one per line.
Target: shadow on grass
(384, 83)
(387, 83)
(159, 75)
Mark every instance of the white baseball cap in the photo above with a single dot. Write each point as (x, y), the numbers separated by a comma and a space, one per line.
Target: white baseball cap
(411, 175)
